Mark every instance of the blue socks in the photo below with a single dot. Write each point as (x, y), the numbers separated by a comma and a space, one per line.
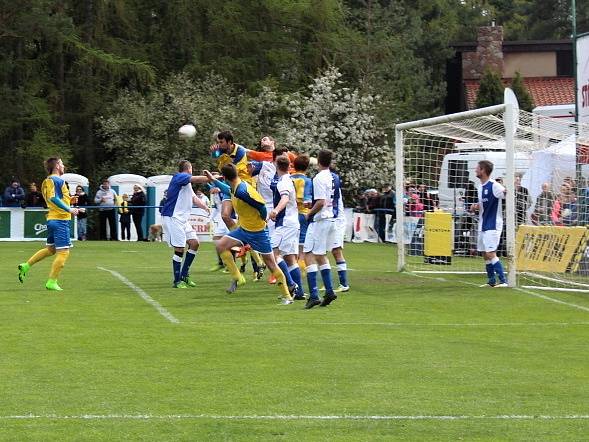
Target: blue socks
(190, 255)
(326, 277)
(342, 272)
(312, 281)
(295, 273)
(490, 272)
(284, 269)
(176, 264)
(498, 268)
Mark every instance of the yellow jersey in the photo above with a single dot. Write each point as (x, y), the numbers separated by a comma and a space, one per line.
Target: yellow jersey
(239, 158)
(249, 206)
(304, 190)
(55, 186)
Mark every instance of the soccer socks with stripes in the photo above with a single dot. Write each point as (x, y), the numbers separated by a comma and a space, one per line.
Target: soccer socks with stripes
(312, 281)
(325, 270)
(60, 258)
(188, 258)
(284, 269)
(498, 268)
(281, 283)
(490, 272)
(40, 255)
(295, 274)
(342, 272)
(176, 266)
(229, 262)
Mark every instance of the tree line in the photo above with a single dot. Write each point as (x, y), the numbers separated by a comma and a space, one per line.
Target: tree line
(104, 83)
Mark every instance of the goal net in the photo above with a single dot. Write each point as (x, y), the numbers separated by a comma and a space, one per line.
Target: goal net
(542, 162)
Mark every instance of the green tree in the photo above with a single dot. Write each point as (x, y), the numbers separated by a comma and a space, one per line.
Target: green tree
(521, 92)
(490, 89)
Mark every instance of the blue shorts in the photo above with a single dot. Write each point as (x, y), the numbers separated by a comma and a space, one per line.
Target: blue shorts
(304, 225)
(259, 241)
(58, 233)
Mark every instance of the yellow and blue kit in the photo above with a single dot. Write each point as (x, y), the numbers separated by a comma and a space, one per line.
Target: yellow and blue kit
(238, 157)
(57, 195)
(304, 190)
(251, 211)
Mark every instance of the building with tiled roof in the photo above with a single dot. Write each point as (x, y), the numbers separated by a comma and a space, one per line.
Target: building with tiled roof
(546, 67)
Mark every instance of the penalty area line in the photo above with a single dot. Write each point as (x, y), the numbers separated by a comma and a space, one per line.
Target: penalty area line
(160, 309)
(291, 417)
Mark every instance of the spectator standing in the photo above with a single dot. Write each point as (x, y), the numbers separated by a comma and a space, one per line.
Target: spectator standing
(106, 198)
(522, 202)
(125, 218)
(543, 207)
(564, 209)
(34, 198)
(14, 194)
(82, 220)
(387, 204)
(138, 199)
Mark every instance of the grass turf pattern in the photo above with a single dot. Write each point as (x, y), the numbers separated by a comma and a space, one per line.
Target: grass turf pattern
(420, 358)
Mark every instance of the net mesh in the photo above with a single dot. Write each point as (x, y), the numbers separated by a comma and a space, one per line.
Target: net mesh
(551, 196)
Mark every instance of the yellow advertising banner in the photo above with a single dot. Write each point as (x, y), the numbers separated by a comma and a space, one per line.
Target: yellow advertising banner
(438, 234)
(549, 248)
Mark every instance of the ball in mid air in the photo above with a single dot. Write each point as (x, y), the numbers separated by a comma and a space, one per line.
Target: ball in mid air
(187, 131)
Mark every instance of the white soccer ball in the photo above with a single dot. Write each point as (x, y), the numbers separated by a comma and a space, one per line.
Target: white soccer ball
(187, 131)
(566, 213)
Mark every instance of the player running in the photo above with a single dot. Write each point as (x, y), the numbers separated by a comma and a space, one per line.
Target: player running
(57, 195)
(251, 211)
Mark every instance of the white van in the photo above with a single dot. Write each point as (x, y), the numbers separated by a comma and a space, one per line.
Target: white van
(458, 169)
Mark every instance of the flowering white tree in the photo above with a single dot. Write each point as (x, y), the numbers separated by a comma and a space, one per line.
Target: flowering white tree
(335, 117)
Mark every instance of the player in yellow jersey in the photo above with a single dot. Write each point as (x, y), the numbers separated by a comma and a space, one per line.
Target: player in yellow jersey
(57, 195)
(251, 211)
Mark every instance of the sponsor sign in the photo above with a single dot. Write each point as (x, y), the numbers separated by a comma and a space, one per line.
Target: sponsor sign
(438, 234)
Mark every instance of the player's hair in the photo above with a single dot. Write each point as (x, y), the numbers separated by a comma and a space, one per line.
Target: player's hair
(279, 151)
(229, 171)
(487, 166)
(183, 165)
(324, 158)
(225, 135)
(282, 163)
(301, 163)
(50, 164)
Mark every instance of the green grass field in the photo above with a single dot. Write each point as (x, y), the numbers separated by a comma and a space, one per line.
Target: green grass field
(399, 357)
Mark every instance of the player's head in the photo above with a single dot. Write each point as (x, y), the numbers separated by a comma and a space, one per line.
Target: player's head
(225, 141)
(301, 163)
(281, 150)
(282, 163)
(229, 172)
(54, 165)
(324, 158)
(484, 169)
(267, 143)
(185, 166)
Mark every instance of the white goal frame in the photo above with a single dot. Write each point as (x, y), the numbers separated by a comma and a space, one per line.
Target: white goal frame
(510, 126)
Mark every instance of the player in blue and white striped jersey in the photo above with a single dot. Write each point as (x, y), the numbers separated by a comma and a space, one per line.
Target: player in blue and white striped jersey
(490, 194)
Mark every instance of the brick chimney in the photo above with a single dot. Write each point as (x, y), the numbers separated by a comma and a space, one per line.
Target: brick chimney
(489, 53)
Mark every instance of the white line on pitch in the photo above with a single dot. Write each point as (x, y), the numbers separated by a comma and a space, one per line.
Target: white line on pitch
(538, 295)
(161, 310)
(393, 324)
(292, 417)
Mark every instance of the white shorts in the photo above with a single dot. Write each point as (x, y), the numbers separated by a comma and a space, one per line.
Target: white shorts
(319, 237)
(219, 226)
(488, 241)
(339, 231)
(177, 232)
(286, 240)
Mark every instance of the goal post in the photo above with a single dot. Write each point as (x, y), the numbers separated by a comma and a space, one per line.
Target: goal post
(499, 123)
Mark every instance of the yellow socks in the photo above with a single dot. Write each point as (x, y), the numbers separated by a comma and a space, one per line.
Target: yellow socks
(281, 282)
(40, 255)
(230, 264)
(60, 258)
(257, 258)
(303, 267)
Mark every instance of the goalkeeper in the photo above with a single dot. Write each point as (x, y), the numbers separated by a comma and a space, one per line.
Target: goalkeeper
(57, 195)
